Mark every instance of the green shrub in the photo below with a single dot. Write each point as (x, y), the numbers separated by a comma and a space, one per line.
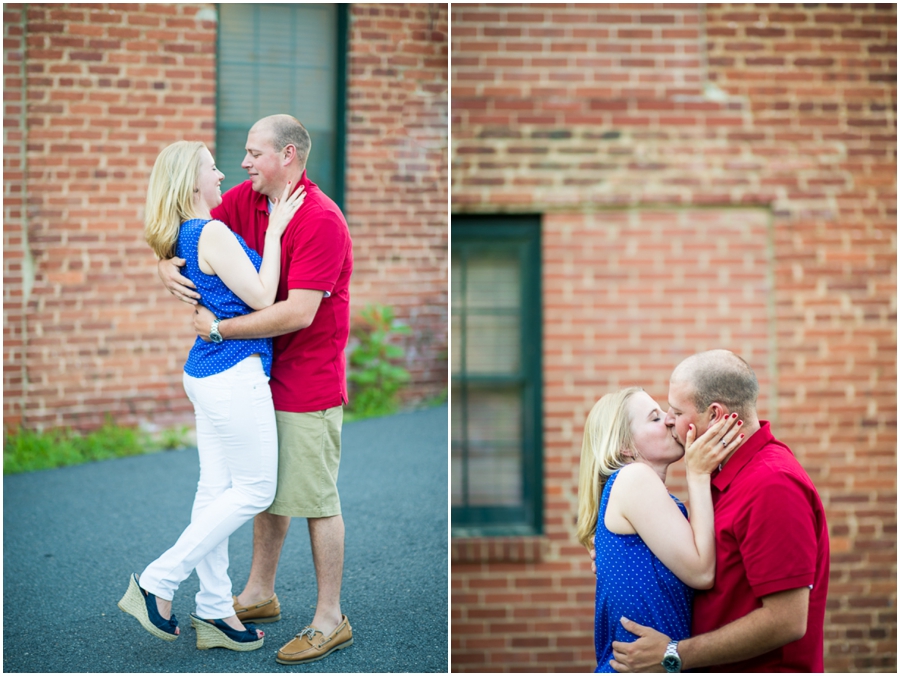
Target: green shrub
(375, 380)
(27, 451)
(436, 400)
(171, 438)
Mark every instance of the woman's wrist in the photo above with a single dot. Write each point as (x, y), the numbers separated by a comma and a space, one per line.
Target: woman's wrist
(697, 476)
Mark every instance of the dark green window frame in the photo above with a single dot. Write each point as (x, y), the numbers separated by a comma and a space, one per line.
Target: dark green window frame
(519, 234)
(331, 154)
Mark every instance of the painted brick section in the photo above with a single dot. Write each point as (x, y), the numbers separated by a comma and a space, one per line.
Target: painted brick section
(108, 86)
(718, 175)
(106, 90)
(626, 294)
(14, 257)
(827, 120)
(397, 175)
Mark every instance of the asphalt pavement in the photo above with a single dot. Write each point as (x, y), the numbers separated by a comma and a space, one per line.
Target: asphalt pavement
(72, 536)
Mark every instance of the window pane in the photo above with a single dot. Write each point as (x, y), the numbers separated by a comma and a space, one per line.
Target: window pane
(278, 29)
(492, 281)
(313, 101)
(456, 447)
(493, 313)
(237, 101)
(495, 447)
(492, 344)
(281, 96)
(455, 343)
(456, 281)
(315, 19)
(456, 488)
(456, 300)
(230, 153)
(279, 58)
(237, 30)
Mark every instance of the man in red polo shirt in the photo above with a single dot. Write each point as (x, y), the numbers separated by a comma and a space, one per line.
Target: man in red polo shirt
(310, 323)
(766, 610)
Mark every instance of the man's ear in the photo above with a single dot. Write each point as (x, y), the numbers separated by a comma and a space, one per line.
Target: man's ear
(716, 412)
(290, 152)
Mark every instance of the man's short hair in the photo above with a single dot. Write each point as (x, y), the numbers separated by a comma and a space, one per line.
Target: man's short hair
(287, 130)
(719, 376)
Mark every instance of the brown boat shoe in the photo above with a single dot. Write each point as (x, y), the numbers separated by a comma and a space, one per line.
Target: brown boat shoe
(260, 613)
(311, 644)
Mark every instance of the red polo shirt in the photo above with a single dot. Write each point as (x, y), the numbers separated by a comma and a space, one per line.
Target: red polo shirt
(308, 368)
(771, 536)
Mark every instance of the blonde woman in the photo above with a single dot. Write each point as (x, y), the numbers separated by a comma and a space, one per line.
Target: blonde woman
(649, 557)
(227, 382)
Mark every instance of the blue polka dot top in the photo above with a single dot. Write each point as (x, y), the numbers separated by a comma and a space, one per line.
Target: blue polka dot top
(632, 582)
(207, 359)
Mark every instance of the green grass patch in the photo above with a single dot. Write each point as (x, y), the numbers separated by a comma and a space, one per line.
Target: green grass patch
(27, 451)
(437, 400)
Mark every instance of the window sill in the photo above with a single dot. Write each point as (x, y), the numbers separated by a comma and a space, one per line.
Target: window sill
(498, 549)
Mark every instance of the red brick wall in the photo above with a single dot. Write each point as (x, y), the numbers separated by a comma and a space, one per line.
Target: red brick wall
(107, 88)
(397, 175)
(13, 207)
(709, 176)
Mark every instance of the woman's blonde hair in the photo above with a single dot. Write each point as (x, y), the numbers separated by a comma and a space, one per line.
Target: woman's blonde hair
(607, 435)
(170, 196)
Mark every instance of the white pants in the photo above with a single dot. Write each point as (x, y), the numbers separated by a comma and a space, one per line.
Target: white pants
(238, 447)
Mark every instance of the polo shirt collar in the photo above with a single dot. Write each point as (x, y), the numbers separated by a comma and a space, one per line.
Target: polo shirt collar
(262, 201)
(743, 455)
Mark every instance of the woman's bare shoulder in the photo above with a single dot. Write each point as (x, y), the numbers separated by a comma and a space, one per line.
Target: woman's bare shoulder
(637, 472)
(215, 225)
(633, 482)
(636, 482)
(216, 232)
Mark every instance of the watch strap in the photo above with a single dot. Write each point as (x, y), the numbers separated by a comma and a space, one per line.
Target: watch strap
(672, 660)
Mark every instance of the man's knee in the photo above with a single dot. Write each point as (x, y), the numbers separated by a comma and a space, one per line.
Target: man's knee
(327, 528)
(272, 523)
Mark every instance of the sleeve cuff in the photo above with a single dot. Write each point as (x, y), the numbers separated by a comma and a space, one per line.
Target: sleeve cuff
(312, 285)
(784, 584)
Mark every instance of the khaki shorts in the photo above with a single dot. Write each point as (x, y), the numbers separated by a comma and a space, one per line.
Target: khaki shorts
(309, 455)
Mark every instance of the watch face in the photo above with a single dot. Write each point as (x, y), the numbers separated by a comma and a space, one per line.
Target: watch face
(671, 663)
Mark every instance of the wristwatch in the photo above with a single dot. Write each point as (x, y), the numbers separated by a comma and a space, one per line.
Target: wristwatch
(672, 660)
(214, 334)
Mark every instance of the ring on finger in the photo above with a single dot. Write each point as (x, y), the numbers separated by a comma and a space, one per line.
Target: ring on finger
(724, 443)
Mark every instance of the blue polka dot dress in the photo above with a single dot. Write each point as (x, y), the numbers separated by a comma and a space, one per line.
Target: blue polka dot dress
(632, 582)
(206, 359)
